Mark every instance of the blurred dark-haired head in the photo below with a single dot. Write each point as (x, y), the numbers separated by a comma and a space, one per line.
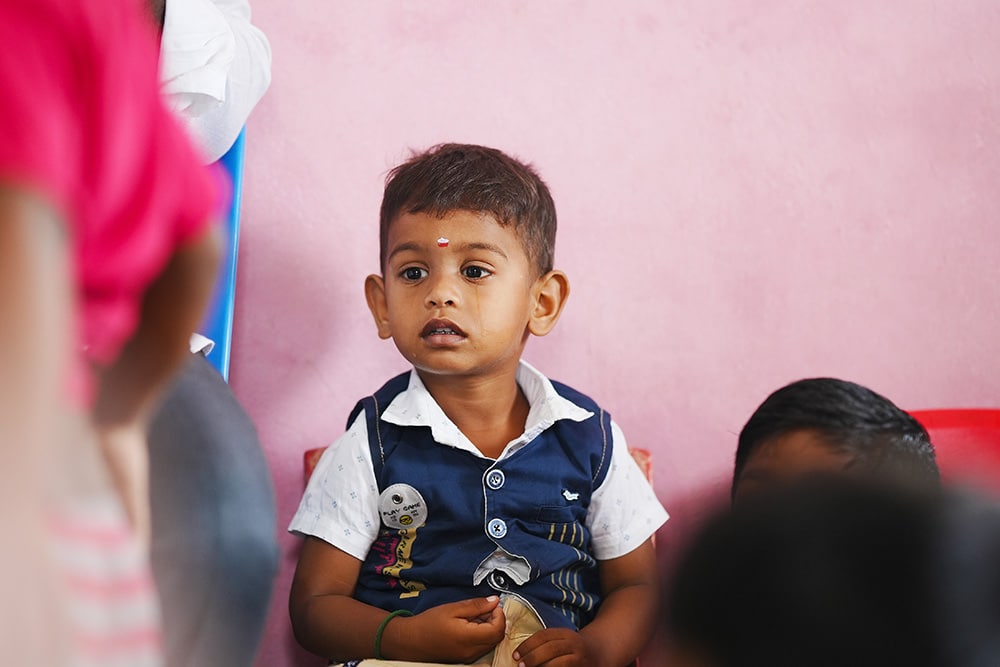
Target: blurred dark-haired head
(836, 571)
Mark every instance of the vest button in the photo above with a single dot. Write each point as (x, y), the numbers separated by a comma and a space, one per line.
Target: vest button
(497, 528)
(495, 479)
(498, 580)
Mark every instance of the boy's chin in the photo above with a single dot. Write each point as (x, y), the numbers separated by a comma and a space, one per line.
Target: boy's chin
(456, 370)
(443, 370)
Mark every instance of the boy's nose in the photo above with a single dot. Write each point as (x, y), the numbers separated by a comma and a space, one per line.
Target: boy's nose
(442, 292)
(434, 301)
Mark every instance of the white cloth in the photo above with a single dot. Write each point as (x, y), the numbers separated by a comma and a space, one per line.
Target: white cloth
(215, 65)
(340, 503)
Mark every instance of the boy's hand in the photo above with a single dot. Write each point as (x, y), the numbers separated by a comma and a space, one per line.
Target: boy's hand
(455, 632)
(544, 647)
(623, 624)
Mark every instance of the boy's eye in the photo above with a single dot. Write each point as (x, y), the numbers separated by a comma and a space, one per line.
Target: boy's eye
(475, 272)
(413, 273)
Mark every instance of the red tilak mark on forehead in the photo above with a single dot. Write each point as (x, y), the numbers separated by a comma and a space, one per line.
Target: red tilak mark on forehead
(442, 242)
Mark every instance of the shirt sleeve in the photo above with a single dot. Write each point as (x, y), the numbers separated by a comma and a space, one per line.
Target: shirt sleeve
(85, 126)
(624, 510)
(41, 133)
(340, 503)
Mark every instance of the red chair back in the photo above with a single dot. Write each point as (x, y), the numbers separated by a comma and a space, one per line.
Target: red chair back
(967, 444)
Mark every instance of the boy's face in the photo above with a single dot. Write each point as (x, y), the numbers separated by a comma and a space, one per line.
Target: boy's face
(788, 457)
(458, 295)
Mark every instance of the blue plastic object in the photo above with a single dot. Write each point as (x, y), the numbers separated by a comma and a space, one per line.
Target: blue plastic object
(218, 325)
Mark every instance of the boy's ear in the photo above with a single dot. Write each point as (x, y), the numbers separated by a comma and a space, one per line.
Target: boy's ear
(551, 292)
(375, 295)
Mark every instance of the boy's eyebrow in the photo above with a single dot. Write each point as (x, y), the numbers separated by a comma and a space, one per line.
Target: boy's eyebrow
(474, 245)
(410, 245)
(480, 245)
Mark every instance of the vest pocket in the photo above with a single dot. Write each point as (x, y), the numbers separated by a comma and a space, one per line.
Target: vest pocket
(556, 514)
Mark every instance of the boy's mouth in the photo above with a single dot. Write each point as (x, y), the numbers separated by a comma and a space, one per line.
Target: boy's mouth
(441, 328)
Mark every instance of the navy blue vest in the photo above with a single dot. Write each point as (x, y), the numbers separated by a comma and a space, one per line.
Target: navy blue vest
(532, 504)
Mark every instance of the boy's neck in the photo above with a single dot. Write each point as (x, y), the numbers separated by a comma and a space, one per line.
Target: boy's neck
(490, 412)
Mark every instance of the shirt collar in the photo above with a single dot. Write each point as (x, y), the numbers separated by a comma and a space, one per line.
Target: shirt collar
(416, 407)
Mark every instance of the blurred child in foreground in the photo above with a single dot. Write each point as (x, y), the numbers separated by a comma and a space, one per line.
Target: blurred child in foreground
(838, 547)
(119, 210)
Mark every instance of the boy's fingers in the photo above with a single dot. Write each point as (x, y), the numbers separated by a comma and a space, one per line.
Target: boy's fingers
(536, 640)
(497, 617)
(479, 608)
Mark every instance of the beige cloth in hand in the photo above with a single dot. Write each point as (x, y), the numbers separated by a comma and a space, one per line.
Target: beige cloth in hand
(521, 623)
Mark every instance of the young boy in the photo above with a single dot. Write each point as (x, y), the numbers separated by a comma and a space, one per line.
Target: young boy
(472, 491)
(828, 425)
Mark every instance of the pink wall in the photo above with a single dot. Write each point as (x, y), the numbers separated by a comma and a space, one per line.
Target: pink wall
(749, 193)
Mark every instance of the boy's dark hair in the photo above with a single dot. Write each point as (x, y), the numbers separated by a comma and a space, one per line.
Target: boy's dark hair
(852, 419)
(466, 177)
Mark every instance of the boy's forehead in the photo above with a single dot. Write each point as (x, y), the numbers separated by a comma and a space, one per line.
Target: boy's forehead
(450, 230)
(409, 219)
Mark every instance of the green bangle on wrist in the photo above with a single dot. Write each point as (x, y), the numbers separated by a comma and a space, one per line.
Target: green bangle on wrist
(381, 629)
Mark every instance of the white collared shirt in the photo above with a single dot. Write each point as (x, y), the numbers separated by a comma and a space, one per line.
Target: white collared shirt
(340, 504)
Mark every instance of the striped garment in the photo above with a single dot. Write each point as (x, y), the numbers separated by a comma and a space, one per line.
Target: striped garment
(111, 600)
